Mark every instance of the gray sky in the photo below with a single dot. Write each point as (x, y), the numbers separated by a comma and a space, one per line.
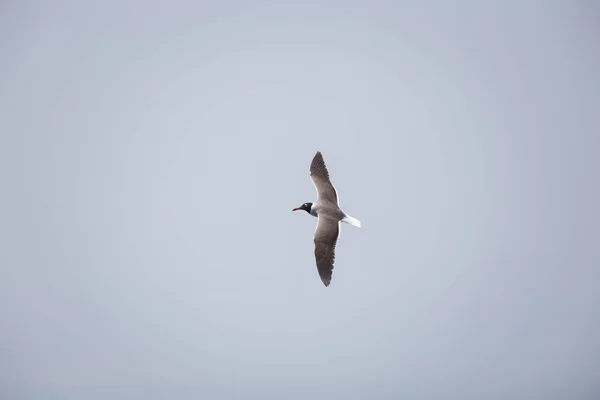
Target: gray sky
(151, 153)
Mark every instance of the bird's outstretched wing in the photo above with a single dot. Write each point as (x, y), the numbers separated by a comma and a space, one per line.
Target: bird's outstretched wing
(326, 236)
(320, 177)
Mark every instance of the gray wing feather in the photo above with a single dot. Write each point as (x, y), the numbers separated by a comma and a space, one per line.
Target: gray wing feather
(320, 177)
(326, 236)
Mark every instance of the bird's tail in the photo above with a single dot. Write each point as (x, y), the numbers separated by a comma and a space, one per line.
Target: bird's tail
(352, 221)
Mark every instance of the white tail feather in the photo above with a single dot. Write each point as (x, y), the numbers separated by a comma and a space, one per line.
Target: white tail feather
(352, 221)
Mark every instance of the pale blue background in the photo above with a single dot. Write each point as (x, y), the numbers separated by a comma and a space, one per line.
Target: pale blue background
(151, 153)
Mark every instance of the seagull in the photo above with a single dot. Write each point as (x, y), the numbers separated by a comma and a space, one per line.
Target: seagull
(329, 216)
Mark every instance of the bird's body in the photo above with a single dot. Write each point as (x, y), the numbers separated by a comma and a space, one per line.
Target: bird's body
(326, 209)
(334, 213)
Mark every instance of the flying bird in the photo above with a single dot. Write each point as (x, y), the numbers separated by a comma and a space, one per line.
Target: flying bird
(329, 217)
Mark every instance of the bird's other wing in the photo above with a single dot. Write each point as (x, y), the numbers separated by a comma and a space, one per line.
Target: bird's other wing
(320, 177)
(326, 236)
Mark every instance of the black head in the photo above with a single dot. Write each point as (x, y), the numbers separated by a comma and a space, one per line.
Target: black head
(306, 207)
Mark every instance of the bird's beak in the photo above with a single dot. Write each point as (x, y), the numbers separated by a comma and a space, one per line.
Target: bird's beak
(297, 208)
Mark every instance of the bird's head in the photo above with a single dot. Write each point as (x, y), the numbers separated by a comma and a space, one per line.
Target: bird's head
(306, 207)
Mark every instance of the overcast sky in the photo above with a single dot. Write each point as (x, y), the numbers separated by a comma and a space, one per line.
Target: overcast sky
(151, 154)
